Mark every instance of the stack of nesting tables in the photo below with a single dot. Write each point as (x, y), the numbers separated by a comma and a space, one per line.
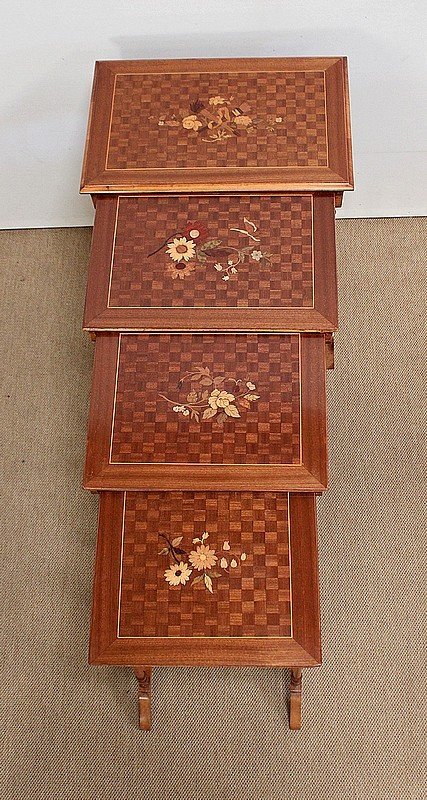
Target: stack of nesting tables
(212, 299)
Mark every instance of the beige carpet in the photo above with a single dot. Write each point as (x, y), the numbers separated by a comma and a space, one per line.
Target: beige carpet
(69, 730)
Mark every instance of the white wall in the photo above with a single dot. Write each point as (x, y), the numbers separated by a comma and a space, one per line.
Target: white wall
(49, 47)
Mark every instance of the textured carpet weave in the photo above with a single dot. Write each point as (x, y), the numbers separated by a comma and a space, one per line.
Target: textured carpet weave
(70, 730)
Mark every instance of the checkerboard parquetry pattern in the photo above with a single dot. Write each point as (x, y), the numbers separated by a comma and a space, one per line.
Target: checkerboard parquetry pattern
(252, 600)
(147, 430)
(138, 142)
(284, 229)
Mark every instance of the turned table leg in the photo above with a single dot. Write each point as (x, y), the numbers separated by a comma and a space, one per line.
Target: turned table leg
(295, 701)
(143, 675)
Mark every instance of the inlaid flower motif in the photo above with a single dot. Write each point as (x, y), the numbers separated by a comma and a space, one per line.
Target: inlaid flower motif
(196, 231)
(178, 574)
(217, 100)
(191, 123)
(181, 249)
(202, 557)
(193, 248)
(243, 121)
(211, 396)
(219, 399)
(180, 270)
(220, 118)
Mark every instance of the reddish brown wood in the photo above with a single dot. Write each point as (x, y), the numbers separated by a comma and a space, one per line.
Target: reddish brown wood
(295, 699)
(143, 675)
(330, 350)
(305, 575)
(107, 646)
(128, 290)
(127, 150)
(229, 459)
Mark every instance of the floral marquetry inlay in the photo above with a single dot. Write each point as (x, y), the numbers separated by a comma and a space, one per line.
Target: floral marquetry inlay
(194, 246)
(221, 118)
(212, 396)
(203, 564)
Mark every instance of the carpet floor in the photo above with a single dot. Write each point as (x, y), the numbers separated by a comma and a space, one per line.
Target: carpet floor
(70, 730)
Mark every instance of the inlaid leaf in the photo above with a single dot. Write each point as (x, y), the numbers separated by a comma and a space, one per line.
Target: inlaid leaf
(164, 551)
(206, 381)
(221, 418)
(208, 583)
(244, 403)
(194, 415)
(210, 244)
(219, 253)
(252, 396)
(215, 574)
(231, 411)
(196, 106)
(201, 256)
(218, 380)
(197, 580)
(177, 540)
(209, 413)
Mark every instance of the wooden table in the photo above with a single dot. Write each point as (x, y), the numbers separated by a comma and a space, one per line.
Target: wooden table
(212, 297)
(206, 578)
(208, 411)
(282, 275)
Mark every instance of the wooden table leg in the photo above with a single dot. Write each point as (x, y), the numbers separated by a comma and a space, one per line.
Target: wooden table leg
(295, 701)
(143, 675)
(329, 347)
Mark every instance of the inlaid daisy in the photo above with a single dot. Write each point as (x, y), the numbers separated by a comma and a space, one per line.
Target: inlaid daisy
(178, 574)
(181, 249)
(202, 557)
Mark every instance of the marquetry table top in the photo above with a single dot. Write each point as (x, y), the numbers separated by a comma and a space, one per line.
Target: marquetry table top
(213, 262)
(206, 578)
(209, 411)
(219, 124)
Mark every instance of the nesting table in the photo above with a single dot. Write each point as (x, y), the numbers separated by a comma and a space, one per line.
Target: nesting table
(212, 299)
